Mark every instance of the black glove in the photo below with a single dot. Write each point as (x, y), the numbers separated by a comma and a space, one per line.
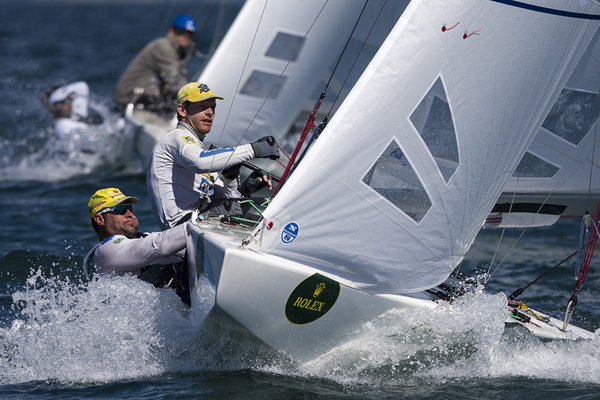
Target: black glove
(254, 183)
(266, 147)
(232, 172)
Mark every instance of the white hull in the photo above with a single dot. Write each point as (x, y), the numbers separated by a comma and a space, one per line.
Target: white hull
(275, 299)
(149, 128)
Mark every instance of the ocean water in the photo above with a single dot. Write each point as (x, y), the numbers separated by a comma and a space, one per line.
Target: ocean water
(61, 337)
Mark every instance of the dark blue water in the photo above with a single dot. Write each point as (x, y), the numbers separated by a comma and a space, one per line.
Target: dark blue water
(63, 338)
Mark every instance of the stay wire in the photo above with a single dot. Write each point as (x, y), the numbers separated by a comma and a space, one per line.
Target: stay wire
(216, 36)
(346, 45)
(274, 85)
(168, 15)
(512, 202)
(572, 159)
(310, 123)
(593, 150)
(357, 57)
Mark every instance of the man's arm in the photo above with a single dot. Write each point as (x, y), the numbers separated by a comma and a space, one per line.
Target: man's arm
(192, 156)
(119, 254)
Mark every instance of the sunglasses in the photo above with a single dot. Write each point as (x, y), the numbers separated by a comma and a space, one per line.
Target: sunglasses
(120, 209)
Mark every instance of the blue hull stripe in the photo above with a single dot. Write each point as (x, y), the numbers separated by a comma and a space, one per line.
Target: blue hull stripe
(547, 10)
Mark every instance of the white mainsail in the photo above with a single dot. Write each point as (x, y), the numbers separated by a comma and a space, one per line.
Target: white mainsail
(390, 202)
(275, 56)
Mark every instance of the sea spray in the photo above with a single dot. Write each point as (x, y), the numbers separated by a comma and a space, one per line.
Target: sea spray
(115, 329)
(107, 330)
(455, 341)
(105, 148)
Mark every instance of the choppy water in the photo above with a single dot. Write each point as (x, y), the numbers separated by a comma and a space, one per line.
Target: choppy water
(121, 338)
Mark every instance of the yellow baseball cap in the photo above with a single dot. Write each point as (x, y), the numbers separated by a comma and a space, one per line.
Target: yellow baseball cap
(108, 197)
(195, 92)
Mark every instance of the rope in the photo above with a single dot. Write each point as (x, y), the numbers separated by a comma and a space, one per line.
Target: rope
(553, 189)
(518, 292)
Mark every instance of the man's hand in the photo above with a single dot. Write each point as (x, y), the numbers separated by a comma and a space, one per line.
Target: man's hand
(266, 147)
(231, 172)
(256, 181)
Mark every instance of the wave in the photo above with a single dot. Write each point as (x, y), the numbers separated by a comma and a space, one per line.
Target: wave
(105, 149)
(115, 329)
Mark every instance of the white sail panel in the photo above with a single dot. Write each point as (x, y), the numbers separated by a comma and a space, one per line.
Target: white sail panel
(501, 68)
(265, 63)
(559, 160)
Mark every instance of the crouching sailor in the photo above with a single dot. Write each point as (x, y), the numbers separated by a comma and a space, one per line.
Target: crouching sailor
(155, 257)
(70, 106)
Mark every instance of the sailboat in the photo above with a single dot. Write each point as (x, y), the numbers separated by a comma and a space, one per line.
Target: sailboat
(382, 209)
(273, 57)
(557, 176)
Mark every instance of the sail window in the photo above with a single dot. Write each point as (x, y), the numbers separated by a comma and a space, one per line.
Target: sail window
(532, 166)
(260, 84)
(285, 47)
(433, 120)
(393, 177)
(572, 115)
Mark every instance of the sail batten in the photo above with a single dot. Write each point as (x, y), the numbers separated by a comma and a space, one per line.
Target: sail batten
(384, 203)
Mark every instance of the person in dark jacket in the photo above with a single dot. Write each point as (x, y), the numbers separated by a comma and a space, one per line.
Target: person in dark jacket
(155, 75)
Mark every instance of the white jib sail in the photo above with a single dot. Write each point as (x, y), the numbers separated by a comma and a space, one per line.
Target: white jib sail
(559, 160)
(273, 57)
(389, 202)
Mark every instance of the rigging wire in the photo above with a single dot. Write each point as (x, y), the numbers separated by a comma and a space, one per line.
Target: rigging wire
(274, 85)
(355, 59)
(216, 36)
(593, 150)
(512, 202)
(587, 251)
(166, 20)
(583, 252)
(310, 123)
(572, 159)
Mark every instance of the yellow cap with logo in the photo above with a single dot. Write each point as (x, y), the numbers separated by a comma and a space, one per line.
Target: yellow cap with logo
(108, 197)
(195, 92)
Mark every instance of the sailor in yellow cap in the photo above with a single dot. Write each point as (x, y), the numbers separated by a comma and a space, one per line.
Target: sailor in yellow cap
(121, 249)
(181, 170)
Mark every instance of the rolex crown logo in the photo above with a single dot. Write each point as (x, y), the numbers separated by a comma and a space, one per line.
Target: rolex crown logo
(320, 287)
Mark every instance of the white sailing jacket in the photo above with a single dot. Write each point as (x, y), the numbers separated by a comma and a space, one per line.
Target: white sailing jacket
(120, 255)
(180, 171)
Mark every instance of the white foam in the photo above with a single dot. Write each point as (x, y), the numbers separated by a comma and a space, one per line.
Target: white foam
(122, 328)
